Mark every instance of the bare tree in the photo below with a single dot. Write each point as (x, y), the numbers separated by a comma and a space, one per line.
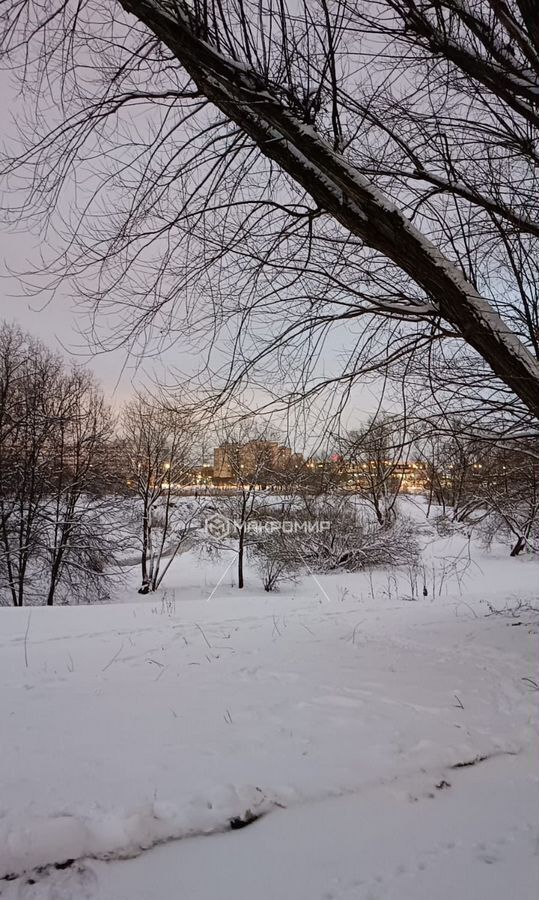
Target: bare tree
(251, 460)
(81, 536)
(456, 457)
(54, 425)
(394, 198)
(33, 396)
(275, 549)
(377, 453)
(159, 447)
(508, 494)
(482, 474)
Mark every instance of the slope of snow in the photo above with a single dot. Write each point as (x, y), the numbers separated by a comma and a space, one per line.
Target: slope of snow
(35, 842)
(336, 706)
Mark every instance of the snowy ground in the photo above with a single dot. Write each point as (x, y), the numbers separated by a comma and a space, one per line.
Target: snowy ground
(336, 710)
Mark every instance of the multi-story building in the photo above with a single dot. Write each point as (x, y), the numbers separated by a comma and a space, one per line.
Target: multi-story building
(259, 459)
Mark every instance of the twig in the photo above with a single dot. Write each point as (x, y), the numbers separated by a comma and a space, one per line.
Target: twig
(472, 610)
(114, 658)
(26, 638)
(203, 635)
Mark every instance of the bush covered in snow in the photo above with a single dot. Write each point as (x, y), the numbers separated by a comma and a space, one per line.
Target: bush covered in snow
(330, 534)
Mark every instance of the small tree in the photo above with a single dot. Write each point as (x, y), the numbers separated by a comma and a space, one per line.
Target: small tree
(251, 461)
(376, 452)
(274, 547)
(159, 444)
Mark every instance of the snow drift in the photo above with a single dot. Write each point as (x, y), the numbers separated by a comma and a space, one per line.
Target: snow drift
(35, 842)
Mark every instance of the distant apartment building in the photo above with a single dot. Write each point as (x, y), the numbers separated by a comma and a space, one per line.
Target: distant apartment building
(259, 459)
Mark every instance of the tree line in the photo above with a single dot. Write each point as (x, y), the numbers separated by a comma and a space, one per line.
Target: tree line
(84, 491)
(66, 464)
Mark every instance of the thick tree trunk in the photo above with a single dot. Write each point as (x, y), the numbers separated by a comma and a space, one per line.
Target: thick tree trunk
(243, 96)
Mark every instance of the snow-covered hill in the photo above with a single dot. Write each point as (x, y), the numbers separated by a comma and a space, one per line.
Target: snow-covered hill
(387, 746)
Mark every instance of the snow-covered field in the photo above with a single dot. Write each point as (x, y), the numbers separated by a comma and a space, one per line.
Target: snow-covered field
(388, 746)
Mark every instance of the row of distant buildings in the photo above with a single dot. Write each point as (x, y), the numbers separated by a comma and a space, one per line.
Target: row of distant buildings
(270, 464)
(230, 461)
